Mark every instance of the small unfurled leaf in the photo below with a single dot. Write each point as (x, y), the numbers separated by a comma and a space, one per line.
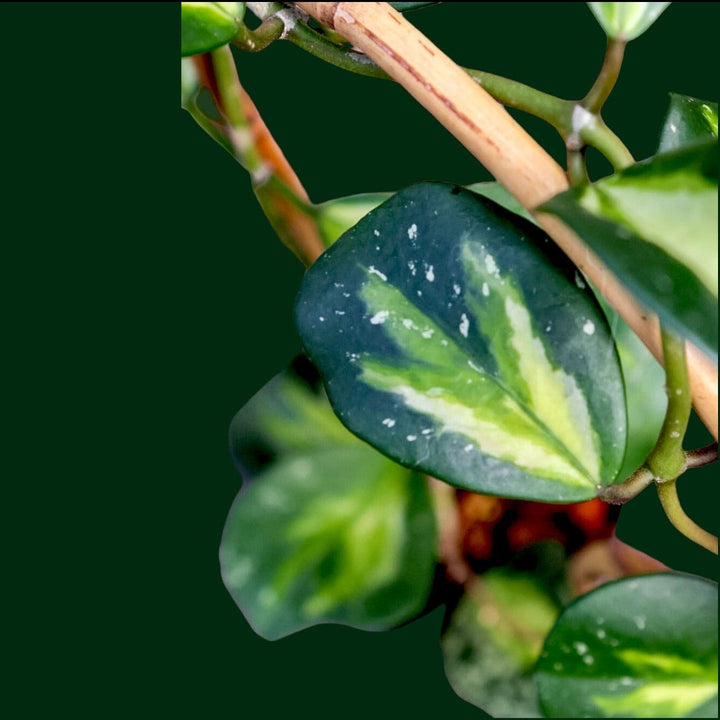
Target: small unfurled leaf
(626, 20)
(454, 337)
(493, 638)
(688, 121)
(208, 25)
(655, 226)
(641, 647)
(325, 529)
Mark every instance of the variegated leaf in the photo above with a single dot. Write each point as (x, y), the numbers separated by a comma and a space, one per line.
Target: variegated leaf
(325, 529)
(655, 226)
(688, 121)
(454, 338)
(641, 647)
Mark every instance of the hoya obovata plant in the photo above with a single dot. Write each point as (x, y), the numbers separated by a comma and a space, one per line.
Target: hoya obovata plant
(478, 396)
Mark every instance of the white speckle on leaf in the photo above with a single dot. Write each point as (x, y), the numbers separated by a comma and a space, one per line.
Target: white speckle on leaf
(430, 273)
(674, 434)
(409, 324)
(626, 681)
(426, 431)
(389, 422)
(673, 127)
(589, 327)
(464, 325)
(346, 294)
(427, 334)
(485, 289)
(380, 317)
(412, 231)
(411, 438)
(475, 367)
(639, 622)
(491, 266)
(580, 647)
(588, 659)
(579, 280)
(601, 634)
(376, 233)
(419, 292)
(339, 312)
(444, 342)
(373, 271)
(321, 318)
(413, 269)
(468, 448)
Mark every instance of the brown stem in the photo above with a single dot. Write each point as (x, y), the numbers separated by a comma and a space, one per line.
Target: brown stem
(280, 200)
(487, 130)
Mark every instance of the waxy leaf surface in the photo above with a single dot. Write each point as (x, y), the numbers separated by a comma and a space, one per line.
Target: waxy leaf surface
(640, 647)
(688, 121)
(655, 226)
(453, 336)
(330, 530)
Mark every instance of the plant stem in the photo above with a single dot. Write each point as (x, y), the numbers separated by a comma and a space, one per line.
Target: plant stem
(276, 186)
(258, 39)
(667, 459)
(667, 492)
(607, 78)
(598, 135)
(702, 456)
(622, 492)
(576, 167)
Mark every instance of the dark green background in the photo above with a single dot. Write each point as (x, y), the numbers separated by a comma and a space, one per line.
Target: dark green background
(147, 300)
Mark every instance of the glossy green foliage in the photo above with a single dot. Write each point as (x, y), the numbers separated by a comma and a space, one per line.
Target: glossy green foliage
(640, 647)
(688, 121)
(453, 336)
(329, 530)
(626, 20)
(208, 25)
(655, 226)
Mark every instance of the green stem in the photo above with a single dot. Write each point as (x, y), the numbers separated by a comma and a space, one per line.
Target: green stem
(607, 78)
(210, 126)
(667, 459)
(258, 39)
(576, 167)
(553, 110)
(238, 130)
(598, 135)
(667, 492)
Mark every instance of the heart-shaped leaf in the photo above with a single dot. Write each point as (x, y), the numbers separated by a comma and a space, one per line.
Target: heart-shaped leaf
(453, 337)
(331, 531)
(641, 647)
(655, 226)
(626, 20)
(208, 25)
(688, 121)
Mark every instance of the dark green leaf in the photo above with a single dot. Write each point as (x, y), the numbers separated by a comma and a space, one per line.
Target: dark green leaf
(626, 20)
(688, 120)
(655, 226)
(208, 25)
(453, 337)
(641, 647)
